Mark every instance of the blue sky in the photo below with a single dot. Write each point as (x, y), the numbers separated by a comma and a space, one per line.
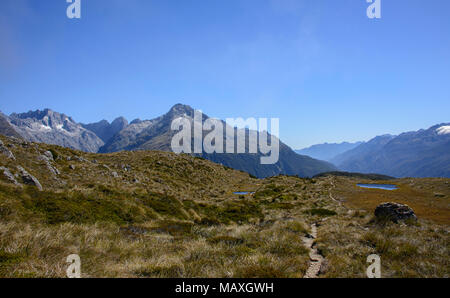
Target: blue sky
(327, 71)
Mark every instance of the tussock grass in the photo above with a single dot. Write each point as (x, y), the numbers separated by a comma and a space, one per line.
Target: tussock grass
(405, 250)
(167, 215)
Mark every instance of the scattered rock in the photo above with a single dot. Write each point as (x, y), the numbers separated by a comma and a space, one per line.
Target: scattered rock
(395, 212)
(135, 180)
(6, 151)
(115, 175)
(126, 168)
(25, 144)
(72, 167)
(28, 178)
(9, 176)
(48, 163)
(439, 195)
(52, 169)
(49, 155)
(80, 158)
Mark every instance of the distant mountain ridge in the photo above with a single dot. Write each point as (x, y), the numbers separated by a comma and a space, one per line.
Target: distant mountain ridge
(105, 130)
(369, 147)
(423, 153)
(156, 134)
(327, 151)
(51, 127)
(54, 128)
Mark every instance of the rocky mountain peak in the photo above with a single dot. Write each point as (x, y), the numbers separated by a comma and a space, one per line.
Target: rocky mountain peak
(51, 127)
(105, 130)
(120, 123)
(136, 121)
(46, 117)
(179, 110)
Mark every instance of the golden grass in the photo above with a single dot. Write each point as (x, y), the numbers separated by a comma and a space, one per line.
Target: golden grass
(168, 215)
(428, 197)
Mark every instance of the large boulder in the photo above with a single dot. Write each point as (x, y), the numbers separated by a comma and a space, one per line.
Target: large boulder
(395, 212)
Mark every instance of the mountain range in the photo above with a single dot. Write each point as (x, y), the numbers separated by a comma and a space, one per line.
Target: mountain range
(423, 153)
(327, 151)
(157, 134)
(105, 130)
(54, 128)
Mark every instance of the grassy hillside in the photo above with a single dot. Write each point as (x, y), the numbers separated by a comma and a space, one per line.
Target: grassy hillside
(354, 175)
(157, 214)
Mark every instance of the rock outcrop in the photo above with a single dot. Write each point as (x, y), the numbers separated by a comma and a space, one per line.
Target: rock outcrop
(395, 212)
(9, 176)
(47, 157)
(29, 179)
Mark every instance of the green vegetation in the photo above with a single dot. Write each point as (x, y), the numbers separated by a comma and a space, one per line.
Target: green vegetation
(82, 208)
(157, 214)
(320, 212)
(355, 175)
(270, 190)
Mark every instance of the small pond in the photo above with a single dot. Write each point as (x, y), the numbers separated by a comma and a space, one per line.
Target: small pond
(379, 186)
(243, 192)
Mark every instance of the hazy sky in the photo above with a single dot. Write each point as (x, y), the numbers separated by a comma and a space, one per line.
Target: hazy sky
(326, 70)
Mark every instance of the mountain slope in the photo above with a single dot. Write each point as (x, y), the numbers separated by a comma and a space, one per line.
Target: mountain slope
(105, 130)
(327, 151)
(423, 153)
(51, 127)
(359, 156)
(6, 128)
(156, 134)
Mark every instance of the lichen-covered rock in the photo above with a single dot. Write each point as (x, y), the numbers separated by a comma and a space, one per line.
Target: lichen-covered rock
(395, 212)
(28, 178)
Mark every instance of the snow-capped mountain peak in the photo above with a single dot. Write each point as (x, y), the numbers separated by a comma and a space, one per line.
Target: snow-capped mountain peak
(443, 130)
